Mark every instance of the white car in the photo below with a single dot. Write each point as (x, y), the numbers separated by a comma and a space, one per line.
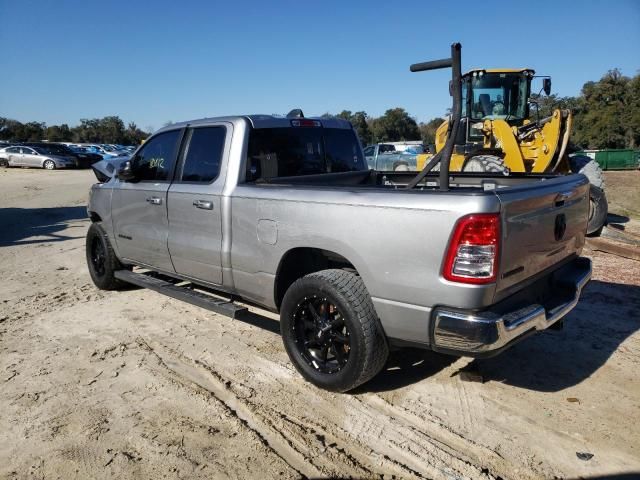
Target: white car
(21, 156)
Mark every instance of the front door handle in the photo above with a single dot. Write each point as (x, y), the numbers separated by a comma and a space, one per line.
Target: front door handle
(154, 200)
(204, 204)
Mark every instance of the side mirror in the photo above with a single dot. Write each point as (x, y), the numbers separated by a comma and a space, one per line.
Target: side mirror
(546, 85)
(125, 172)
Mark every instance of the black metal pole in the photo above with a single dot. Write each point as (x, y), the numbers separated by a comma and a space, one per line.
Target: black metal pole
(455, 119)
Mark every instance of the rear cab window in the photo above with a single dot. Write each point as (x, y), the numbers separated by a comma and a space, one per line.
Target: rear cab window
(298, 151)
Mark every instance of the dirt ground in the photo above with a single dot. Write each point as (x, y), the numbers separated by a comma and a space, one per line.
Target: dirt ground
(133, 384)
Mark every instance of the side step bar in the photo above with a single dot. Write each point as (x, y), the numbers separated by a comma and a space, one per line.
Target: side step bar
(186, 294)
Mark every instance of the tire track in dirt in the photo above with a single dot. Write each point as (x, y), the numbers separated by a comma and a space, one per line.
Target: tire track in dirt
(464, 449)
(312, 449)
(214, 386)
(50, 301)
(377, 439)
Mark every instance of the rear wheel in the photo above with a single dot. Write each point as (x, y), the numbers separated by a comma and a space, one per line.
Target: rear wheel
(49, 165)
(331, 332)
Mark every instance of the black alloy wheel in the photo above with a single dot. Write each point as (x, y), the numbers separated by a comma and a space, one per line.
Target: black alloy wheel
(101, 259)
(321, 335)
(330, 330)
(98, 256)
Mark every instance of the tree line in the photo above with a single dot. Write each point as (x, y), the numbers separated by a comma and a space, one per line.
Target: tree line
(109, 129)
(606, 115)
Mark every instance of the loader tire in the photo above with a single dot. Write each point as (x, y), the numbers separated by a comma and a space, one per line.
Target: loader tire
(589, 168)
(486, 164)
(598, 209)
(598, 205)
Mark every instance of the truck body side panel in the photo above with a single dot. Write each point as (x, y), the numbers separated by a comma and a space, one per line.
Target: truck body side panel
(395, 241)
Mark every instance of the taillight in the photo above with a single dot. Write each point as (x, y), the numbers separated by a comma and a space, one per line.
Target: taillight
(473, 252)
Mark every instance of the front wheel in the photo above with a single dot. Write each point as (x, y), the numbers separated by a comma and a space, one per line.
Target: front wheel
(49, 165)
(101, 259)
(331, 331)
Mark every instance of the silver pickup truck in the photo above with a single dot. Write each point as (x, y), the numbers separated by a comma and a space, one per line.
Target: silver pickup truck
(285, 214)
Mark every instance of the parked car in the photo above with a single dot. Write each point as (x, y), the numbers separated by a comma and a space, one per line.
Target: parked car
(24, 156)
(394, 156)
(333, 246)
(105, 151)
(56, 149)
(85, 157)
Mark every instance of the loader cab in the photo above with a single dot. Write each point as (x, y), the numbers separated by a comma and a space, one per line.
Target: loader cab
(495, 94)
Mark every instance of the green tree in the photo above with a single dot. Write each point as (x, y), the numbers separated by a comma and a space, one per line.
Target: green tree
(395, 125)
(59, 133)
(359, 122)
(601, 121)
(428, 130)
(133, 135)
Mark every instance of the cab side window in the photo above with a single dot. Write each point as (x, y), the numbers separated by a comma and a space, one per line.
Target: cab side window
(156, 158)
(204, 154)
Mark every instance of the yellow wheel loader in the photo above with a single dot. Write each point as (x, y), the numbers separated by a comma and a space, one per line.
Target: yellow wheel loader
(496, 133)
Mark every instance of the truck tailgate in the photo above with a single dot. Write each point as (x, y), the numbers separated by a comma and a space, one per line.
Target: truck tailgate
(542, 224)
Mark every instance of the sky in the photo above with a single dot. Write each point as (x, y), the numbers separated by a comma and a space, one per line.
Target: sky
(163, 61)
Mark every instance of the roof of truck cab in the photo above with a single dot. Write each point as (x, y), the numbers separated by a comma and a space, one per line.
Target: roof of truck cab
(259, 121)
(499, 70)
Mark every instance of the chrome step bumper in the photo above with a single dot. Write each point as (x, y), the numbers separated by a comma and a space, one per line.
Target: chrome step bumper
(488, 332)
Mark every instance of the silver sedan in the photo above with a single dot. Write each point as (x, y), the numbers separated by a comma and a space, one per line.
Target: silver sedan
(20, 156)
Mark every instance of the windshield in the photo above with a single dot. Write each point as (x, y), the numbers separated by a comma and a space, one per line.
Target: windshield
(499, 95)
(296, 151)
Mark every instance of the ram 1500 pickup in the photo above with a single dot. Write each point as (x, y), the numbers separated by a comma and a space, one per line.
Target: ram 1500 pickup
(285, 214)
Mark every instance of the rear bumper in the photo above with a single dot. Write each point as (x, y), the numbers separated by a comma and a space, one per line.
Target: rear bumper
(486, 333)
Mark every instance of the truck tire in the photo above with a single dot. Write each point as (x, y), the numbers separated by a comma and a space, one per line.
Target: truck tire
(101, 259)
(598, 205)
(486, 164)
(331, 331)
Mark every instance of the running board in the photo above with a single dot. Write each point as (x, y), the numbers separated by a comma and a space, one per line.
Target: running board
(186, 294)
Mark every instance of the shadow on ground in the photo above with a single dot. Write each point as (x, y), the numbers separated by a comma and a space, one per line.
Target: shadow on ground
(21, 225)
(606, 316)
(612, 218)
(406, 367)
(550, 361)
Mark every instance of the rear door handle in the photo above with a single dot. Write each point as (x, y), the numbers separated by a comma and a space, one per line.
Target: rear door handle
(154, 200)
(203, 204)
